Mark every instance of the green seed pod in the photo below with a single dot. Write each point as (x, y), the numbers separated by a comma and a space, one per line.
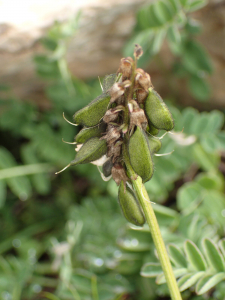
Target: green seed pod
(108, 82)
(154, 144)
(140, 154)
(91, 150)
(130, 206)
(152, 130)
(91, 114)
(87, 133)
(157, 112)
(107, 168)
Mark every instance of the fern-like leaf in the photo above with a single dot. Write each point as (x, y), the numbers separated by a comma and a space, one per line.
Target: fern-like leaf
(198, 273)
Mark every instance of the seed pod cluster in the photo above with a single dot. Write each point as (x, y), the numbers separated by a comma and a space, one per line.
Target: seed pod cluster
(124, 121)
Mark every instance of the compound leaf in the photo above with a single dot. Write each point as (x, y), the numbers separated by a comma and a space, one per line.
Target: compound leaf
(151, 270)
(199, 87)
(195, 256)
(160, 279)
(213, 255)
(176, 256)
(196, 4)
(208, 282)
(189, 280)
(222, 246)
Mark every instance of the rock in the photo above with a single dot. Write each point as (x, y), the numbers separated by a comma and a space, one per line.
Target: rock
(96, 49)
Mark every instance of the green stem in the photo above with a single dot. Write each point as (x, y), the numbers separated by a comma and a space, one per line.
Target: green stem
(16, 292)
(25, 170)
(94, 288)
(44, 268)
(50, 296)
(45, 281)
(66, 76)
(155, 231)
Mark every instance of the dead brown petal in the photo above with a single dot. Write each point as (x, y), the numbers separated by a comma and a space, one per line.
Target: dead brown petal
(137, 118)
(134, 104)
(112, 134)
(110, 115)
(118, 89)
(119, 174)
(141, 95)
(142, 79)
(126, 67)
(114, 150)
(138, 51)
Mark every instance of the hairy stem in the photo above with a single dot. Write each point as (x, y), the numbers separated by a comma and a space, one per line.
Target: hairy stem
(154, 228)
(157, 238)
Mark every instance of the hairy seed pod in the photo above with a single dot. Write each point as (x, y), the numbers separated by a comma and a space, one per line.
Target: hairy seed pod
(107, 168)
(130, 206)
(157, 112)
(154, 144)
(152, 130)
(140, 155)
(91, 150)
(108, 82)
(87, 133)
(91, 114)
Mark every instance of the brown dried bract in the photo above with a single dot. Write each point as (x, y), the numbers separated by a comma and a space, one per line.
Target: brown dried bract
(138, 51)
(115, 150)
(110, 115)
(118, 90)
(137, 117)
(112, 134)
(125, 68)
(119, 173)
(142, 80)
(141, 95)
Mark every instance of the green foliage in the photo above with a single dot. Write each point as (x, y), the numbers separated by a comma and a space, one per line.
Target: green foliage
(20, 186)
(199, 143)
(42, 150)
(193, 267)
(171, 21)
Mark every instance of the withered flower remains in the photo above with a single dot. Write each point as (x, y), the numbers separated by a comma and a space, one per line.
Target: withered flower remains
(123, 121)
